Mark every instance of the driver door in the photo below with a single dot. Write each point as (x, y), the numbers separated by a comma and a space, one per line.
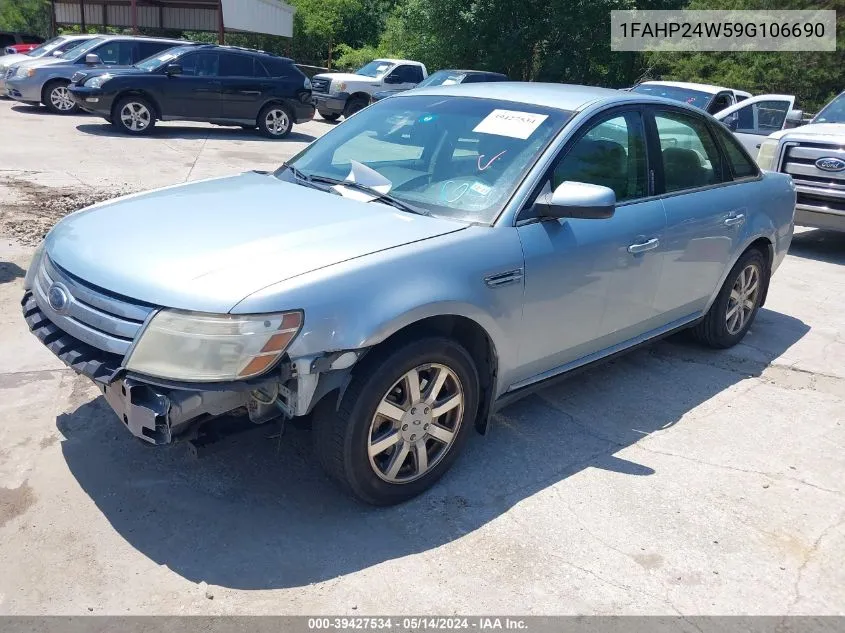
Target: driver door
(590, 285)
(404, 77)
(754, 119)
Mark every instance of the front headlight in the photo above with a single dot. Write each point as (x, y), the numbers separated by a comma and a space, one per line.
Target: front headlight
(201, 347)
(337, 86)
(97, 82)
(21, 73)
(767, 156)
(307, 84)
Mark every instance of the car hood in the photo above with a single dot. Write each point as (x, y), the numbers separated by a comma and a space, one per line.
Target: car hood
(813, 129)
(8, 60)
(346, 77)
(207, 245)
(80, 76)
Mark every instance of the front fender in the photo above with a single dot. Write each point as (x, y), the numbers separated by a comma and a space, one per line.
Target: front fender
(360, 303)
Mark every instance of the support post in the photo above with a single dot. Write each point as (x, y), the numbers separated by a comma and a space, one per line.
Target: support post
(221, 28)
(52, 18)
(134, 17)
(82, 15)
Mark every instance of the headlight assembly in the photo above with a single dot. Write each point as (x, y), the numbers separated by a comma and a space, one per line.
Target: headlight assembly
(21, 73)
(201, 347)
(767, 156)
(97, 82)
(337, 86)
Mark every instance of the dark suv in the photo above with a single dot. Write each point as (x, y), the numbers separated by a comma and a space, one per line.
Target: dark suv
(224, 85)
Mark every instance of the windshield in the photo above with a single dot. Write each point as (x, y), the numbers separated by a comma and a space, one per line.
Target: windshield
(693, 97)
(375, 68)
(442, 78)
(160, 59)
(455, 157)
(833, 112)
(82, 49)
(46, 47)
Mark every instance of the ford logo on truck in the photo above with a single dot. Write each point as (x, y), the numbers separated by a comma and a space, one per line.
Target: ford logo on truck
(830, 164)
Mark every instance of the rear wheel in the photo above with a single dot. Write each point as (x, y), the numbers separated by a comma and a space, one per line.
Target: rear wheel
(736, 306)
(275, 121)
(401, 422)
(58, 99)
(134, 115)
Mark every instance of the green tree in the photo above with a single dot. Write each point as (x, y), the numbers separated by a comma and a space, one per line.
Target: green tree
(26, 16)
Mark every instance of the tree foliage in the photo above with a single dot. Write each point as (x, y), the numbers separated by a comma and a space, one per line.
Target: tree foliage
(25, 16)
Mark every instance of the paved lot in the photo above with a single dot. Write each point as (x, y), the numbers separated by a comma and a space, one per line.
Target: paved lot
(675, 480)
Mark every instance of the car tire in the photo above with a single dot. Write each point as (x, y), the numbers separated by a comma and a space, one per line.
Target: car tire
(275, 121)
(385, 443)
(329, 116)
(134, 115)
(737, 303)
(57, 98)
(353, 106)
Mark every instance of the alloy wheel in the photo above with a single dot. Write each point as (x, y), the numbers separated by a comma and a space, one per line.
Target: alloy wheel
(416, 423)
(61, 99)
(135, 116)
(277, 121)
(743, 299)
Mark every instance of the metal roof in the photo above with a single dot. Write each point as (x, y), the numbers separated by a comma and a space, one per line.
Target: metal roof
(272, 17)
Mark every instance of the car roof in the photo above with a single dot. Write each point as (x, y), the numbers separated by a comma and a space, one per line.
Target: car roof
(561, 96)
(243, 49)
(398, 61)
(689, 86)
(143, 38)
(467, 70)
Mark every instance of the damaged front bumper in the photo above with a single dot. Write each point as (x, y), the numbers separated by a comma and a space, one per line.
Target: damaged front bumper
(160, 412)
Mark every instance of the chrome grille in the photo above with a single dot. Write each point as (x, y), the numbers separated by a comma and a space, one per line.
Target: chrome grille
(818, 190)
(9, 72)
(320, 85)
(91, 315)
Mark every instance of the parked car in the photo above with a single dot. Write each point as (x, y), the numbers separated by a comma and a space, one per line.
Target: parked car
(337, 94)
(46, 80)
(446, 78)
(55, 48)
(8, 39)
(15, 49)
(814, 155)
(218, 84)
(754, 119)
(458, 251)
(709, 98)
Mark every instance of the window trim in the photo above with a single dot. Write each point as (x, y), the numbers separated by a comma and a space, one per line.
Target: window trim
(659, 176)
(520, 219)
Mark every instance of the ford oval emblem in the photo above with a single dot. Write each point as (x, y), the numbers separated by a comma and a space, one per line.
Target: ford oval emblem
(830, 164)
(58, 298)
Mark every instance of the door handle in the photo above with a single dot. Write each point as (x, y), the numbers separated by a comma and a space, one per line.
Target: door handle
(735, 219)
(644, 246)
(758, 145)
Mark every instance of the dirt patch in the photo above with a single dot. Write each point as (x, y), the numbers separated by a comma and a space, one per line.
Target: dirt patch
(14, 502)
(34, 209)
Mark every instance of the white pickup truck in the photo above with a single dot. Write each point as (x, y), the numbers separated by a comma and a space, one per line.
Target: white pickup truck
(337, 94)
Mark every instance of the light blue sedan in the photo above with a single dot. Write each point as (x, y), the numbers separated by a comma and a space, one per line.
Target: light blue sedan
(431, 259)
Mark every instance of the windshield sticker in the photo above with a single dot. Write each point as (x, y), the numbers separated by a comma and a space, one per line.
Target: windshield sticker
(428, 118)
(480, 188)
(510, 123)
(382, 68)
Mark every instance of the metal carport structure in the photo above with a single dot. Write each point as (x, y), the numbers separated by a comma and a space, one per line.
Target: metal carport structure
(271, 17)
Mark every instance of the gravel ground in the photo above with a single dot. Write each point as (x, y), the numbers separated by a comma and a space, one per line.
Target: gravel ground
(672, 481)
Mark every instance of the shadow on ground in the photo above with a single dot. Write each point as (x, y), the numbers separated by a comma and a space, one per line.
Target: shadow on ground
(821, 245)
(211, 132)
(260, 514)
(10, 272)
(25, 108)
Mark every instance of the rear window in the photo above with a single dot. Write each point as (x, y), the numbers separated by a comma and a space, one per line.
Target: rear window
(741, 165)
(277, 67)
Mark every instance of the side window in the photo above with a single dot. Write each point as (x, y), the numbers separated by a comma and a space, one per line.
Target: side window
(258, 68)
(232, 65)
(119, 52)
(763, 117)
(690, 156)
(741, 165)
(720, 102)
(31, 39)
(148, 49)
(276, 67)
(611, 154)
(408, 74)
(199, 64)
(6, 39)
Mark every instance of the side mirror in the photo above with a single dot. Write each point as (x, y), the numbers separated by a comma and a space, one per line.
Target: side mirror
(731, 121)
(173, 69)
(795, 116)
(92, 59)
(57, 53)
(577, 200)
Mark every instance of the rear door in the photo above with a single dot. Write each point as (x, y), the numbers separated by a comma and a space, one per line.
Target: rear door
(754, 119)
(194, 94)
(407, 76)
(705, 209)
(244, 82)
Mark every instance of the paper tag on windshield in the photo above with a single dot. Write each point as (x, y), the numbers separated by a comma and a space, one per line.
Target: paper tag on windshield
(510, 123)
